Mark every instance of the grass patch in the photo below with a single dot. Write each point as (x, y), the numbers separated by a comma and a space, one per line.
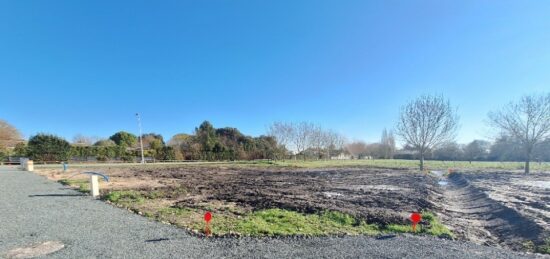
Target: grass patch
(125, 198)
(378, 163)
(278, 222)
(529, 246)
(409, 164)
(544, 249)
(434, 227)
(175, 211)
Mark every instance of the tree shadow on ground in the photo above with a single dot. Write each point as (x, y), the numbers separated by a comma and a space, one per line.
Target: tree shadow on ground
(56, 195)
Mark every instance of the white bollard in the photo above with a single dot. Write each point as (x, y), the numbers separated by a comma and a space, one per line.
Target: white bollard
(94, 186)
(30, 166)
(26, 164)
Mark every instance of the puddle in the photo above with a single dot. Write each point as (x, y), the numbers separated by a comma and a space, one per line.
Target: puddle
(443, 182)
(540, 184)
(332, 194)
(380, 187)
(36, 250)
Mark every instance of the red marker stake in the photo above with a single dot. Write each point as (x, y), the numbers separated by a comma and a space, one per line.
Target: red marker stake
(415, 218)
(207, 218)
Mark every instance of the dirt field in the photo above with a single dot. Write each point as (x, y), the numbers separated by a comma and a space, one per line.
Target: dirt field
(494, 208)
(499, 208)
(377, 195)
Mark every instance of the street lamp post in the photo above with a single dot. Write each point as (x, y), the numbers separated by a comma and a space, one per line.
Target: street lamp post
(140, 138)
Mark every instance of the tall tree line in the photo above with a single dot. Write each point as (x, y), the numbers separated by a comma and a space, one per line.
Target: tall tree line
(209, 143)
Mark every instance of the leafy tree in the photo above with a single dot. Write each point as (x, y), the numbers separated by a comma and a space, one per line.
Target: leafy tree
(110, 152)
(46, 147)
(179, 139)
(206, 136)
(156, 144)
(152, 141)
(183, 146)
(123, 138)
(20, 149)
(167, 153)
(3, 153)
(209, 143)
(105, 143)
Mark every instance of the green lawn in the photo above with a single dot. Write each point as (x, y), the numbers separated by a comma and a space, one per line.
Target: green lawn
(378, 163)
(412, 164)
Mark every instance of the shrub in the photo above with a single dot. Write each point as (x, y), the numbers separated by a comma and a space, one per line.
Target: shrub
(45, 147)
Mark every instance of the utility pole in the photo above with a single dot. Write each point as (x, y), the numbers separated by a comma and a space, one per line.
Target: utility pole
(140, 138)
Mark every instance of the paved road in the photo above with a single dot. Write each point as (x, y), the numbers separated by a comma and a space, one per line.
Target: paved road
(34, 210)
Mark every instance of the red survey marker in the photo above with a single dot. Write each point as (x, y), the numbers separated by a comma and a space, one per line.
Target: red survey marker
(207, 218)
(415, 218)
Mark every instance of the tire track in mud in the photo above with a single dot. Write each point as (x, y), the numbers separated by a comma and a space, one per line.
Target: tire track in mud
(474, 216)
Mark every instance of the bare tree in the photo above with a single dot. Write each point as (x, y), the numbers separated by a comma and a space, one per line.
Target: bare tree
(426, 123)
(357, 148)
(375, 150)
(82, 140)
(9, 135)
(333, 141)
(283, 133)
(528, 121)
(302, 136)
(318, 140)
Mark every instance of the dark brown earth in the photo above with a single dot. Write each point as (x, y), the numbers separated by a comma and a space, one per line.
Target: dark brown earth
(377, 195)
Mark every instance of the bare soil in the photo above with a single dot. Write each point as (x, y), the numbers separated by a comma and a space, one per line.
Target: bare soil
(499, 208)
(494, 208)
(376, 195)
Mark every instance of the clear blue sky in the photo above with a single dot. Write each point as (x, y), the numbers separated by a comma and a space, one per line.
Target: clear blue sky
(69, 67)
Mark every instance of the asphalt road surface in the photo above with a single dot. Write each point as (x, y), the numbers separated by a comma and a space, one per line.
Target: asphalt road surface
(34, 210)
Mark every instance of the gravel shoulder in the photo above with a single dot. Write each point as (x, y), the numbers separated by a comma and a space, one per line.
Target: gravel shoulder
(36, 210)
